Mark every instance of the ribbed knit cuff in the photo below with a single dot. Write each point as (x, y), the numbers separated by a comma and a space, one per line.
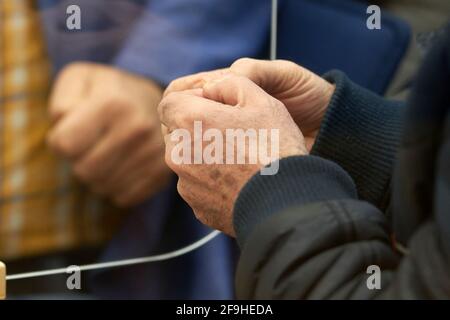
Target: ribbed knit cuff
(300, 180)
(361, 132)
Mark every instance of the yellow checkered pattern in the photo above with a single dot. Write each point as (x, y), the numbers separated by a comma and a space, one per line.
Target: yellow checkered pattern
(42, 209)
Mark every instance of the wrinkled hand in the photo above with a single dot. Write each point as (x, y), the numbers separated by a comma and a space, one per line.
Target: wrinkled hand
(106, 124)
(305, 94)
(229, 102)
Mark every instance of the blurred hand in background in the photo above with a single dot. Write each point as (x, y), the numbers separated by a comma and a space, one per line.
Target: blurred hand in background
(106, 125)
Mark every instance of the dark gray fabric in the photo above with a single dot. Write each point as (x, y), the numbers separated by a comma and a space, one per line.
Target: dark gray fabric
(307, 247)
(361, 132)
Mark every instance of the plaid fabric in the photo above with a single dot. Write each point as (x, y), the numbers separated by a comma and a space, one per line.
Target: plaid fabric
(42, 209)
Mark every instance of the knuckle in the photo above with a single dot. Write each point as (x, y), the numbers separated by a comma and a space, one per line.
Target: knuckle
(168, 103)
(169, 161)
(183, 190)
(286, 64)
(243, 62)
(172, 86)
(246, 67)
(160, 107)
(187, 192)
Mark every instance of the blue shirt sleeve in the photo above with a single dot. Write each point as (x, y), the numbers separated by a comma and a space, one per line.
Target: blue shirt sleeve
(173, 38)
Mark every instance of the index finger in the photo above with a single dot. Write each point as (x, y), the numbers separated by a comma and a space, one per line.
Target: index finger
(178, 109)
(194, 81)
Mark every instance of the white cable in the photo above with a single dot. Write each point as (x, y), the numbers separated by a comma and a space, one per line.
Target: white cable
(120, 263)
(166, 256)
(274, 31)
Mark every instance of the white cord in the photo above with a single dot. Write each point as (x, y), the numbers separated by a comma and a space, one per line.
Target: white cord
(166, 256)
(274, 31)
(120, 263)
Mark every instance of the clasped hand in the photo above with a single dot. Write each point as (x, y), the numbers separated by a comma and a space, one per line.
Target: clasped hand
(250, 95)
